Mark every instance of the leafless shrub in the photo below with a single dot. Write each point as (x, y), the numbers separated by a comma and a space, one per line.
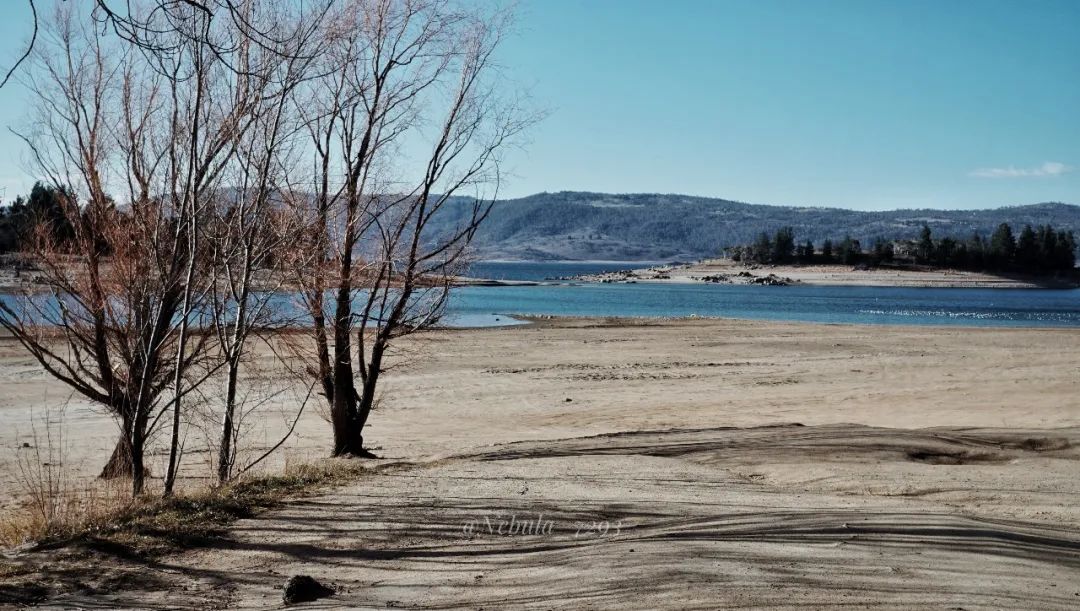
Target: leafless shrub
(54, 501)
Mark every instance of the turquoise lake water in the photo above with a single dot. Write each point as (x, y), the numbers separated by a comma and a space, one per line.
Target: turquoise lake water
(476, 306)
(493, 306)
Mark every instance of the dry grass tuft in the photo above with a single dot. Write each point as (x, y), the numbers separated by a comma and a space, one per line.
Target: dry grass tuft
(54, 502)
(151, 524)
(191, 519)
(57, 506)
(63, 513)
(110, 540)
(75, 530)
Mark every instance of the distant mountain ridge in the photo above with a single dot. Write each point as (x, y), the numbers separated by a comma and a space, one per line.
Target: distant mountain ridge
(639, 227)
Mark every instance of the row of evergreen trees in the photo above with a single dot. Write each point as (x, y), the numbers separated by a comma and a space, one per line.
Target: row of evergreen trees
(44, 203)
(783, 248)
(1039, 249)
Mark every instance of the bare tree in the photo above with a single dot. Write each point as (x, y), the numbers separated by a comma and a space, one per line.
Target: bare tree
(251, 228)
(227, 93)
(413, 71)
(212, 109)
(138, 28)
(107, 327)
(29, 47)
(166, 121)
(208, 123)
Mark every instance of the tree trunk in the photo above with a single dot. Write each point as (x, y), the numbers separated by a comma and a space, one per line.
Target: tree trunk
(343, 415)
(225, 450)
(138, 469)
(343, 404)
(181, 346)
(119, 464)
(366, 400)
(125, 461)
(346, 420)
(350, 441)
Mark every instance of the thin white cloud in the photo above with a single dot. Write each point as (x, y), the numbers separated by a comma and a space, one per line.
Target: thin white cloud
(1049, 168)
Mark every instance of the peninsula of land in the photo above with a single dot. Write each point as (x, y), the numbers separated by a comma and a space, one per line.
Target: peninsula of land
(726, 271)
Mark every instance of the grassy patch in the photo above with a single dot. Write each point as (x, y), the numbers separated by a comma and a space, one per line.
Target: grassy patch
(163, 524)
(189, 520)
(97, 547)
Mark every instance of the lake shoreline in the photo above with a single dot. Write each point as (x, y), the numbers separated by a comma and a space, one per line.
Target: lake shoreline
(725, 271)
(717, 271)
(687, 438)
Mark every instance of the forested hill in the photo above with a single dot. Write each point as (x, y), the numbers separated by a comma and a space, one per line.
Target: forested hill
(580, 226)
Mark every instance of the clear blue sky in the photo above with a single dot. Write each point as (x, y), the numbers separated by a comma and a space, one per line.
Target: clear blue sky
(867, 104)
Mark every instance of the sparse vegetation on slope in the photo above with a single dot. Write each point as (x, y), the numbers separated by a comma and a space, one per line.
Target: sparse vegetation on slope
(640, 227)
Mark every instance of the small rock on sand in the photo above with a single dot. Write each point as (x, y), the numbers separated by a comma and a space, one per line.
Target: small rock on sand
(303, 588)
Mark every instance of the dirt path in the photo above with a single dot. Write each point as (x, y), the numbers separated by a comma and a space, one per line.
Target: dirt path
(689, 519)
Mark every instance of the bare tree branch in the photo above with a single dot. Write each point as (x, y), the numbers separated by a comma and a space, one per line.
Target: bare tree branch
(29, 46)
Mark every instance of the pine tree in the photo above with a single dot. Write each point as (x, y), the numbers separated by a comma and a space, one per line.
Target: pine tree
(925, 248)
(850, 251)
(945, 253)
(1048, 247)
(976, 248)
(1002, 246)
(762, 249)
(1027, 248)
(883, 250)
(783, 249)
(1067, 244)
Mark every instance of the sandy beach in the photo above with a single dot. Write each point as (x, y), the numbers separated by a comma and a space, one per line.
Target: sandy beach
(499, 305)
(728, 271)
(680, 464)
